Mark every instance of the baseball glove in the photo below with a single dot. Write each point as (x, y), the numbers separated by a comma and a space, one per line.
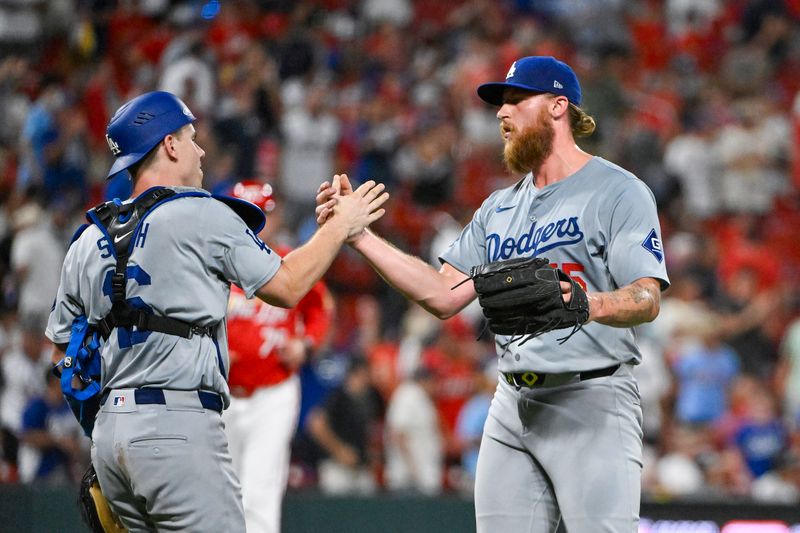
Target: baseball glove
(522, 297)
(94, 507)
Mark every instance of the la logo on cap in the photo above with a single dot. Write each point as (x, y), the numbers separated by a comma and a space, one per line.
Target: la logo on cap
(512, 70)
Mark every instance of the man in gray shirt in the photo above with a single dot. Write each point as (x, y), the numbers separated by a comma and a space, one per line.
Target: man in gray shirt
(563, 440)
(158, 443)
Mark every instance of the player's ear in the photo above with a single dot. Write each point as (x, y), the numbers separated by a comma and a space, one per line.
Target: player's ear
(170, 145)
(559, 105)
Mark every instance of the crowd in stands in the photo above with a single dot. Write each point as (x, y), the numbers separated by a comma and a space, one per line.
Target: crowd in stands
(699, 98)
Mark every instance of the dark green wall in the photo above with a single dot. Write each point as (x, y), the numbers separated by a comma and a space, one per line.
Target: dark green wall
(41, 510)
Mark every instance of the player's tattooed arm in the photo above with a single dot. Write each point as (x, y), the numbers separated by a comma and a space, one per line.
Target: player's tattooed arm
(628, 306)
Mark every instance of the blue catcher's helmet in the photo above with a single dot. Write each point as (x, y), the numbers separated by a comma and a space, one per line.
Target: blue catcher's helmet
(139, 125)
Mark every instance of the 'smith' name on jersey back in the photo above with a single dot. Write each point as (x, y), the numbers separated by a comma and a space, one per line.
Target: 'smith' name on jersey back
(185, 255)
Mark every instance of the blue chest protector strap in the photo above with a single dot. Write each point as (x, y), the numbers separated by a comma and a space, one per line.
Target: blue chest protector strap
(79, 361)
(81, 366)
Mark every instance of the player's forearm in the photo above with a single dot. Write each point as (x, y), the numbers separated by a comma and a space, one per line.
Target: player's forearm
(303, 267)
(415, 279)
(629, 306)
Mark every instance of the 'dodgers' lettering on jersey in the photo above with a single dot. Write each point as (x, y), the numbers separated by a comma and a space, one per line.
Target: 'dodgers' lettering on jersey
(535, 241)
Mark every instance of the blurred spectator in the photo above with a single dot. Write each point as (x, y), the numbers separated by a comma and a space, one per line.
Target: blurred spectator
(689, 157)
(427, 165)
(36, 257)
(393, 11)
(751, 152)
(382, 350)
(414, 444)
(378, 137)
(788, 375)
(51, 449)
(685, 16)
(246, 115)
(21, 22)
(762, 437)
(453, 359)
(310, 133)
(780, 485)
(703, 372)
(740, 391)
(22, 366)
(40, 129)
(745, 308)
(682, 307)
(471, 419)
(67, 159)
(727, 474)
(655, 384)
(342, 427)
(447, 230)
(678, 471)
(189, 74)
(15, 102)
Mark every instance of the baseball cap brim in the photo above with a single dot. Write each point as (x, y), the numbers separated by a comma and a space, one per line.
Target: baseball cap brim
(492, 93)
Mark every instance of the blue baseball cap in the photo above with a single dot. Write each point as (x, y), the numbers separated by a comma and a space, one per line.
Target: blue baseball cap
(139, 125)
(543, 74)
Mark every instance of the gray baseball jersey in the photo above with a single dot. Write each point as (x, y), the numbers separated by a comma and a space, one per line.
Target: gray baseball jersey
(187, 253)
(599, 226)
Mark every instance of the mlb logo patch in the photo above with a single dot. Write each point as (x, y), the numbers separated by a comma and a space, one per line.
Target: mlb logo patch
(119, 401)
(653, 245)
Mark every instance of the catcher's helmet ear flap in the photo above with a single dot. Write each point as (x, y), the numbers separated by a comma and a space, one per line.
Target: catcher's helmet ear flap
(140, 124)
(255, 192)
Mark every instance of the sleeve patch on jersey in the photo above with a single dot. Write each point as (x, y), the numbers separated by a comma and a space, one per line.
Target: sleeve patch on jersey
(653, 245)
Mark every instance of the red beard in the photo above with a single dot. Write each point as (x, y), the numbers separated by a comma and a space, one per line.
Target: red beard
(533, 146)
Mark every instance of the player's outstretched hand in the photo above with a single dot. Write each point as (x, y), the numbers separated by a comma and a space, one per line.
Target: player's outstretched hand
(340, 184)
(359, 208)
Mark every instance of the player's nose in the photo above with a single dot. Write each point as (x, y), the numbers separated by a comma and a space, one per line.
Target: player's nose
(502, 113)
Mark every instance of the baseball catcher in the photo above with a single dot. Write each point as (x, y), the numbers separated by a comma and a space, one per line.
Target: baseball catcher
(164, 358)
(522, 297)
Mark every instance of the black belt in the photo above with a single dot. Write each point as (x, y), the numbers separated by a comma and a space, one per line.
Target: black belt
(539, 379)
(209, 400)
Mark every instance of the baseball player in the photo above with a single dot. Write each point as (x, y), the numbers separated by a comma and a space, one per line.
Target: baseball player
(563, 436)
(267, 344)
(153, 275)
